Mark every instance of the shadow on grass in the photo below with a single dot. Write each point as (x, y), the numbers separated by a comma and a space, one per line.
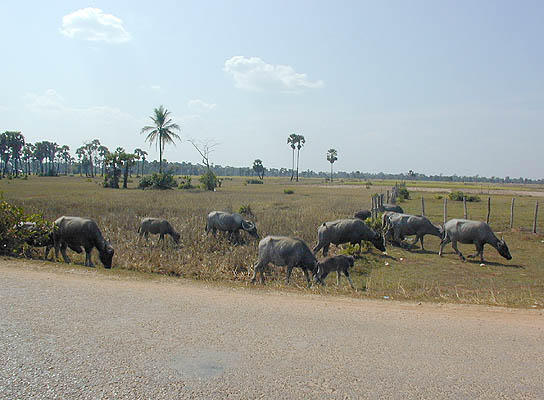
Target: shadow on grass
(496, 264)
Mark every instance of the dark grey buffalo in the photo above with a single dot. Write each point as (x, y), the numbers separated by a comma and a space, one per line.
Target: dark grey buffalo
(390, 207)
(76, 232)
(231, 223)
(475, 232)
(157, 226)
(282, 250)
(351, 230)
(398, 226)
(339, 263)
(37, 237)
(362, 214)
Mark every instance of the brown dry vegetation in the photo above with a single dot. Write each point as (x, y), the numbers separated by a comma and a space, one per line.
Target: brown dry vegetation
(418, 276)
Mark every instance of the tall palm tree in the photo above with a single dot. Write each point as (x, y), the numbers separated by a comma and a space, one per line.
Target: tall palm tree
(139, 153)
(332, 156)
(65, 155)
(161, 132)
(300, 143)
(292, 140)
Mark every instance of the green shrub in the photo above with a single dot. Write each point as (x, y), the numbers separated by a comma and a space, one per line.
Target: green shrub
(186, 183)
(209, 180)
(404, 193)
(288, 191)
(158, 181)
(438, 197)
(254, 182)
(458, 196)
(12, 237)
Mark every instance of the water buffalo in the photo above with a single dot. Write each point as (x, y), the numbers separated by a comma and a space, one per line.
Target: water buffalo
(76, 232)
(362, 214)
(37, 237)
(231, 223)
(475, 232)
(352, 231)
(339, 263)
(398, 226)
(157, 226)
(390, 207)
(282, 250)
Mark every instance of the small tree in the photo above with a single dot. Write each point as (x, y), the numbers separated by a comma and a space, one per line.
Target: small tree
(114, 162)
(259, 168)
(209, 180)
(332, 156)
(128, 161)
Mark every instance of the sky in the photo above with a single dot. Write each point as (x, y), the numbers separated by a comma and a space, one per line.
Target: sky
(451, 87)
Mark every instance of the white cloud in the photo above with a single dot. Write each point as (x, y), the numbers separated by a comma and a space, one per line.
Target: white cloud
(153, 88)
(253, 74)
(94, 25)
(51, 104)
(200, 106)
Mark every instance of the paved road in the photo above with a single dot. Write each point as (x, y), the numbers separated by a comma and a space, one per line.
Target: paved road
(81, 333)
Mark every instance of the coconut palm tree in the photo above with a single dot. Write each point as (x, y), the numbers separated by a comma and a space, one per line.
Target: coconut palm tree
(161, 132)
(332, 156)
(292, 140)
(300, 143)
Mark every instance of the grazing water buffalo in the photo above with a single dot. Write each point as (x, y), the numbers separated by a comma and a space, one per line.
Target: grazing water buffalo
(390, 207)
(398, 226)
(476, 232)
(157, 226)
(363, 214)
(76, 232)
(231, 223)
(352, 231)
(37, 237)
(282, 250)
(340, 263)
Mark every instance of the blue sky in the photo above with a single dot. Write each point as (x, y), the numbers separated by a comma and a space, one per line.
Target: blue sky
(436, 87)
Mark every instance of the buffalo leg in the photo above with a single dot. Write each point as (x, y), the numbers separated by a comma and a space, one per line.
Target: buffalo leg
(316, 249)
(259, 267)
(478, 251)
(337, 278)
(307, 276)
(47, 250)
(289, 270)
(454, 245)
(88, 260)
(421, 241)
(326, 250)
(346, 272)
(443, 243)
(63, 252)
(321, 276)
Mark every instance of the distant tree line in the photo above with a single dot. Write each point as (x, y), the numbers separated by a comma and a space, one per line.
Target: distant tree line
(45, 158)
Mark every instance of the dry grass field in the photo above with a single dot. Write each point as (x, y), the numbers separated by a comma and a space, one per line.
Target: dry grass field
(401, 274)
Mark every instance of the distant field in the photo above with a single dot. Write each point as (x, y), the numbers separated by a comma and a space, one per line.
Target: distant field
(418, 276)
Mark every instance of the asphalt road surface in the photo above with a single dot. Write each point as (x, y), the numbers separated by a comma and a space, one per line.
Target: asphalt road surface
(74, 332)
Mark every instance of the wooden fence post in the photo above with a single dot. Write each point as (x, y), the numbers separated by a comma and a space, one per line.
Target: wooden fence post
(388, 198)
(512, 213)
(465, 213)
(445, 210)
(536, 216)
(488, 210)
(422, 206)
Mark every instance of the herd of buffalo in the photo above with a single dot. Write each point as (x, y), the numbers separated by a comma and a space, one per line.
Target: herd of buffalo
(80, 234)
